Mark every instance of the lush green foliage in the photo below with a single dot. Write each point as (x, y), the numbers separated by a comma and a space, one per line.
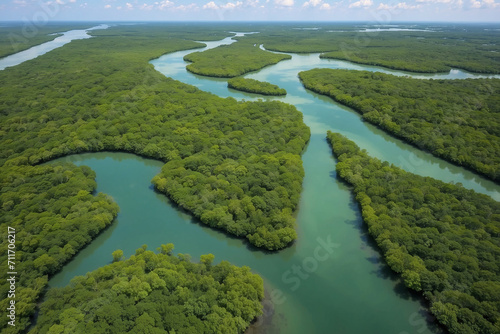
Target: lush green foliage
(444, 240)
(473, 48)
(54, 215)
(255, 86)
(457, 120)
(235, 165)
(228, 61)
(155, 293)
(164, 32)
(19, 37)
(426, 51)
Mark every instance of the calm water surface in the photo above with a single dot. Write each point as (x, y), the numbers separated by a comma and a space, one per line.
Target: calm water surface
(332, 280)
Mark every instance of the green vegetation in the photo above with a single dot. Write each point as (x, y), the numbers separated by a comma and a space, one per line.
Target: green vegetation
(227, 61)
(164, 31)
(255, 86)
(444, 240)
(54, 215)
(454, 119)
(155, 293)
(426, 52)
(20, 37)
(471, 48)
(234, 165)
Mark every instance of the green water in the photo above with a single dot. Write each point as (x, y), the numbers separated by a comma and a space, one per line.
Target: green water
(342, 287)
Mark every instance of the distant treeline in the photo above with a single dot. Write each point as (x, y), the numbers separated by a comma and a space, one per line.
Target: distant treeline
(436, 49)
(442, 239)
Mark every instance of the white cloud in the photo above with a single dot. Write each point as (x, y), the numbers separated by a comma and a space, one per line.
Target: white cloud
(107, 6)
(436, 1)
(317, 3)
(312, 3)
(252, 3)
(210, 5)
(129, 5)
(164, 4)
(284, 3)
(231, 5)
(146, 7)
(361, 3)
(188, 7)
(72, 1)
(484, 4)
(60, 2)
(401, 5)
(20, 2)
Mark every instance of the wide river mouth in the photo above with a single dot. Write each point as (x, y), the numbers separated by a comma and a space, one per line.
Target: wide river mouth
(332, 280)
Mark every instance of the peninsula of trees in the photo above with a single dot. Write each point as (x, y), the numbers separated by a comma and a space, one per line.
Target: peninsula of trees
(155, 293)
(54, 215)
(454, 119)
(227, 61)
(443, 239)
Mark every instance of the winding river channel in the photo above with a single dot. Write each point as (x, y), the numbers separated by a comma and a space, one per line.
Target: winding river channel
(332, 280)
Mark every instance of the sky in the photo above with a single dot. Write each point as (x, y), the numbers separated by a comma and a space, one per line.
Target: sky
(39, 12)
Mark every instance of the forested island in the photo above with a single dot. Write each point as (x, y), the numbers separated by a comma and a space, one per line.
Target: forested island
(155, 293)
(442, 239)
(255, 86)
(454, 119)
(227, 61)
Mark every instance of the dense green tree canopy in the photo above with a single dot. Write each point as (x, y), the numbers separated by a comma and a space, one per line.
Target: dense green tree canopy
(54, 215)
(155, 293)
(229, 61)
(443, 239)
(255, 86)
(457, 120)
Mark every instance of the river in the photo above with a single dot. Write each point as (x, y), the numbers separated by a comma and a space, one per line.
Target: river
(332, 280)
(43, 48)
